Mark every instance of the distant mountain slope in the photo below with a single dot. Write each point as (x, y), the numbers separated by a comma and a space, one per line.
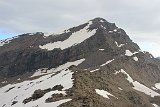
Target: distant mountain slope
(94, 64)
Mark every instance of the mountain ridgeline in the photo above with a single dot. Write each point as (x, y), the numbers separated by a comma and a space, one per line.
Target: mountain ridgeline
(94, 64)
(158, 57)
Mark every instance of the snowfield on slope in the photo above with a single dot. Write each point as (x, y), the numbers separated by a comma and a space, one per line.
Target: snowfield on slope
(74, 39)
(20, 91)
(138, 86)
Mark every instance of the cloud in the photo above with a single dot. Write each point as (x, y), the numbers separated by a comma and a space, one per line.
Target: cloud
(33, 15)
(140, 18)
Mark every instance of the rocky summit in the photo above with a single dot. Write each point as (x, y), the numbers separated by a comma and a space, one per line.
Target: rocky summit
(94, 64)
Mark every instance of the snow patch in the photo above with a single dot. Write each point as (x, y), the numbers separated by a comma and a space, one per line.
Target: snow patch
(18, 79)
(154, 88)
(142, 88)
(46, 34)
(135, 58)
(119, 45)
(138, 86)
(116, 72)
(103, 27)
(94, 70)
(120, 88)
(101, 49)
(110, 32)
(128, 53)
(103, 93)
(74, 39)
(107, 62)
(102, 21)
(3, 82)
(129, 78)
(115, 30)
(155, 105)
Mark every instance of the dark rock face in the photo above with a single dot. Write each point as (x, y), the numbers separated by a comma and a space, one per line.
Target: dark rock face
(23, 54)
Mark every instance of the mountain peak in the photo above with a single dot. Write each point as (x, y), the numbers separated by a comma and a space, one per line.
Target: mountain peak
(100, 23)
(94, 64)
(98, 19)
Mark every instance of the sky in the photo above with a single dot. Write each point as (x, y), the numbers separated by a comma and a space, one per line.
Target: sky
(139, 18)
